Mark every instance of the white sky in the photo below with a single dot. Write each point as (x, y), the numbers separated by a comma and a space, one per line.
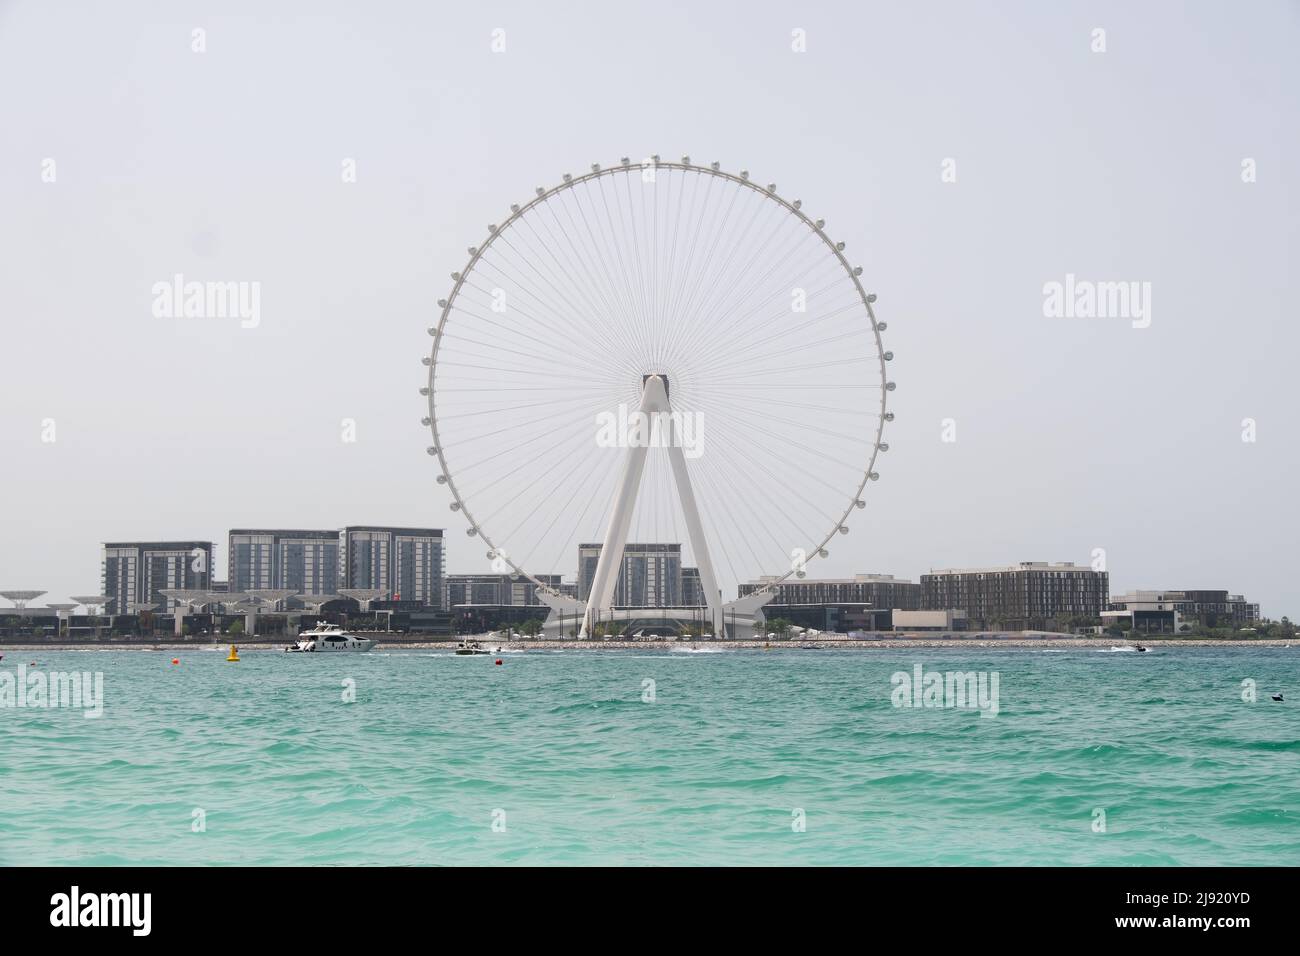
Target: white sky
(1073, 434)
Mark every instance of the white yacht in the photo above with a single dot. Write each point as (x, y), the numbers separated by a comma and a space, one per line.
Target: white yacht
(330, 637)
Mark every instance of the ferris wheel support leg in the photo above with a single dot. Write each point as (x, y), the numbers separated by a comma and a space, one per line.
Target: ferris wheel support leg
(611, 551)
(695, 530)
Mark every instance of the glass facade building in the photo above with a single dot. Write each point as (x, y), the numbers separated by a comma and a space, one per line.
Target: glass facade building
(650, 575)
(407, 564)
(496, 589)
(136, 572)
(305, 562)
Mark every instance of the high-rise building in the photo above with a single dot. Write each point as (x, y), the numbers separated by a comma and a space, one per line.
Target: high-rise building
(692, 589)
(650, 575)
(407, 564)
(1028, 595)
(305, 562)
(883, 591)
(495, 589)
(136, 572)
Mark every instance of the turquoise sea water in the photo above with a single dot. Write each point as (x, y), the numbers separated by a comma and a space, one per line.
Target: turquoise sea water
(712, 771)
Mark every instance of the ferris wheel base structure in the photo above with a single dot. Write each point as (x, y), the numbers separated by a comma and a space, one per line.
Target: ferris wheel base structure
(740, 620)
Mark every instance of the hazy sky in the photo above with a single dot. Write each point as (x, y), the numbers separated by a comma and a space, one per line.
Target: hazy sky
(1072, 433)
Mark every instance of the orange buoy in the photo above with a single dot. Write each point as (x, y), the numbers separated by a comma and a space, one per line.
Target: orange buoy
(176, 660)
(498, 662)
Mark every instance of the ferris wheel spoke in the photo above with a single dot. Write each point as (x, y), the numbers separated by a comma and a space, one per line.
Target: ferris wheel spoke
(591, 371)
(742, 359)
(627, 226)
(783, 369)
(718, 232)
(611, 350)
(592, 327)
(585, 490)
(766, 527)
(748, 320)
(720, 330)
(753, 461)
(619, 289)
(575, 428)
(593, 291)
(640, 335)
(694, 230)
(614, 306)
(703, 295)
(783, 442)
(709, 313)
(561, 482)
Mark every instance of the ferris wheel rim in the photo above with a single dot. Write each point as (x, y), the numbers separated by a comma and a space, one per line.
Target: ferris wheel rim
(626, 167)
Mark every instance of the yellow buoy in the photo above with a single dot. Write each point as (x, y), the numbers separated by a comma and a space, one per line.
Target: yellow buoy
(234, 653)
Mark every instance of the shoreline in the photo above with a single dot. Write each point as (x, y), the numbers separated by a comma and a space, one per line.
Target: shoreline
(899, 643)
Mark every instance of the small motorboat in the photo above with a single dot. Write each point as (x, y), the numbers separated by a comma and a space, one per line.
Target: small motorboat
(329, 638)
(1140, 649)
(468, 647)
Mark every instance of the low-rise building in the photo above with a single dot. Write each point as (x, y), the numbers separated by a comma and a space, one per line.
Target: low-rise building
(948, 620)
(516, 590)
(876, 590)
(1175, 611)
(1025, 596)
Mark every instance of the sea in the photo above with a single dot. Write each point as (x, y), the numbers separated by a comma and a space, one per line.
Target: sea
(1091, 756)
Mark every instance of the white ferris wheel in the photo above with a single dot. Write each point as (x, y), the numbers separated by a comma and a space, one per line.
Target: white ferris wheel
(660, 353)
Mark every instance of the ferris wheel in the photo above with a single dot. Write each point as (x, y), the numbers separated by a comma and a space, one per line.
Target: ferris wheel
(658, 353)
